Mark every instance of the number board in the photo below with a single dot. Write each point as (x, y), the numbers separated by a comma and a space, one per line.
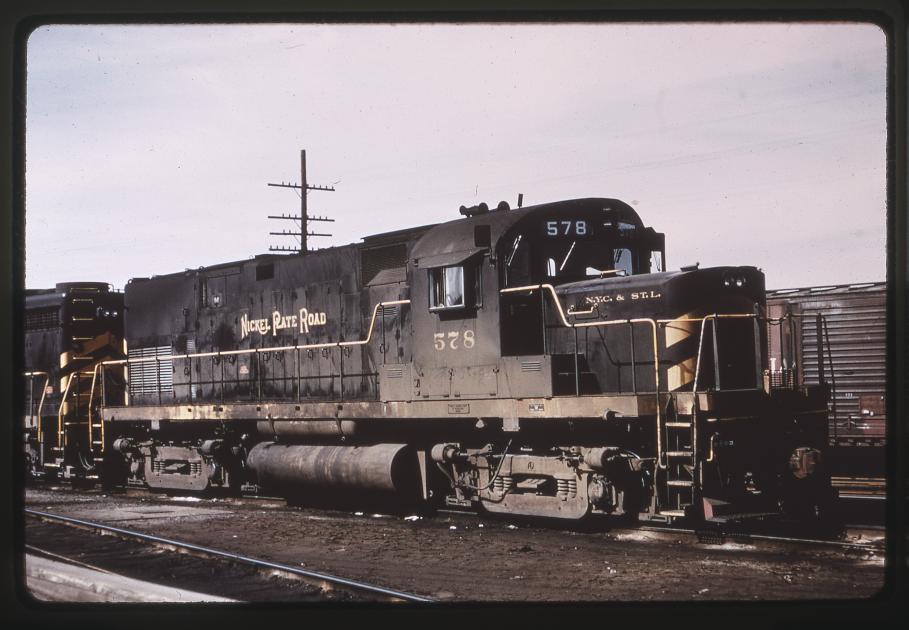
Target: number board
(571, 228)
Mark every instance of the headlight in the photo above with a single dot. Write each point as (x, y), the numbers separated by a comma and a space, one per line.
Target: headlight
(734, 279)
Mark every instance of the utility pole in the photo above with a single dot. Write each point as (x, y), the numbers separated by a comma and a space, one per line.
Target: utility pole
(303, 220)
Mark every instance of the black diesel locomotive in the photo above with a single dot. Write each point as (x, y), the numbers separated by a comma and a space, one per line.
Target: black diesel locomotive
(69, 330)
(538, 361)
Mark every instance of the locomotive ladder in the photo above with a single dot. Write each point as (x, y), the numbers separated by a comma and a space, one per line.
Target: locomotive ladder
(681, 465)
(679, 459)
(75, 417)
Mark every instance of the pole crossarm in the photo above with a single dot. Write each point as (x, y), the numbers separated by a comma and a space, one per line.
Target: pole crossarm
(299, 187)
(304, 218)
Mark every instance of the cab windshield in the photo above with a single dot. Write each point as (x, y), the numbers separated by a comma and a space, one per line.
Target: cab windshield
(570, 250)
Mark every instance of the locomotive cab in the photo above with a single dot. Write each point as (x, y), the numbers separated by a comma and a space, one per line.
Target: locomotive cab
(562, 246)
(463, 277)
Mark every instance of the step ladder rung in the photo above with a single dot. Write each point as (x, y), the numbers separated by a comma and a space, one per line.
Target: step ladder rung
(97, 442)
(95, 426)
(679, 483)
(679, 453)
(678, 425)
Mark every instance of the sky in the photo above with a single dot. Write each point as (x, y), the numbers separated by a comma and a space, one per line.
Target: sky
(149, 147)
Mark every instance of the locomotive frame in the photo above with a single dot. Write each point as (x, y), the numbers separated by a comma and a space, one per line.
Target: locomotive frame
(447, 364)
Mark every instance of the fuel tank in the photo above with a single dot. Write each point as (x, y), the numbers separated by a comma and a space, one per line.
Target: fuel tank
(389, 468)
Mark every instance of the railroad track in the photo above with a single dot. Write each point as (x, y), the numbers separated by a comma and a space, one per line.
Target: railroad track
(258, 501)
(322, 581)
(437, 556)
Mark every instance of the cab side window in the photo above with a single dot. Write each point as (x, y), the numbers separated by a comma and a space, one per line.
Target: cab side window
(454, 287)
(446, 287)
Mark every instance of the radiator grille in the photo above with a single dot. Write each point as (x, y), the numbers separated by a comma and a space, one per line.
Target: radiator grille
(145, 376)
(41, 318)
(375, 259)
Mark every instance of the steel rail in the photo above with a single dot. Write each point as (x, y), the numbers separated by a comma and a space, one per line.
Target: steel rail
(262, 564)
(66, 559)
(744, 537)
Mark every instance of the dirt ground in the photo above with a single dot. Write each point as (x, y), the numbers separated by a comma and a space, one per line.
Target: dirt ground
(468, 558)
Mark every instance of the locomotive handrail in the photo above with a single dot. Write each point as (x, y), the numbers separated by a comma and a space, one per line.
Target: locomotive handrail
(37, 414)
(91, 397)
(61, 434)
(703, 321)
(221, 353)
(256, 351)
(612, 322)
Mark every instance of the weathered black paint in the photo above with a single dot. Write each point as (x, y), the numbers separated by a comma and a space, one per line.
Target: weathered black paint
(514, 365)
